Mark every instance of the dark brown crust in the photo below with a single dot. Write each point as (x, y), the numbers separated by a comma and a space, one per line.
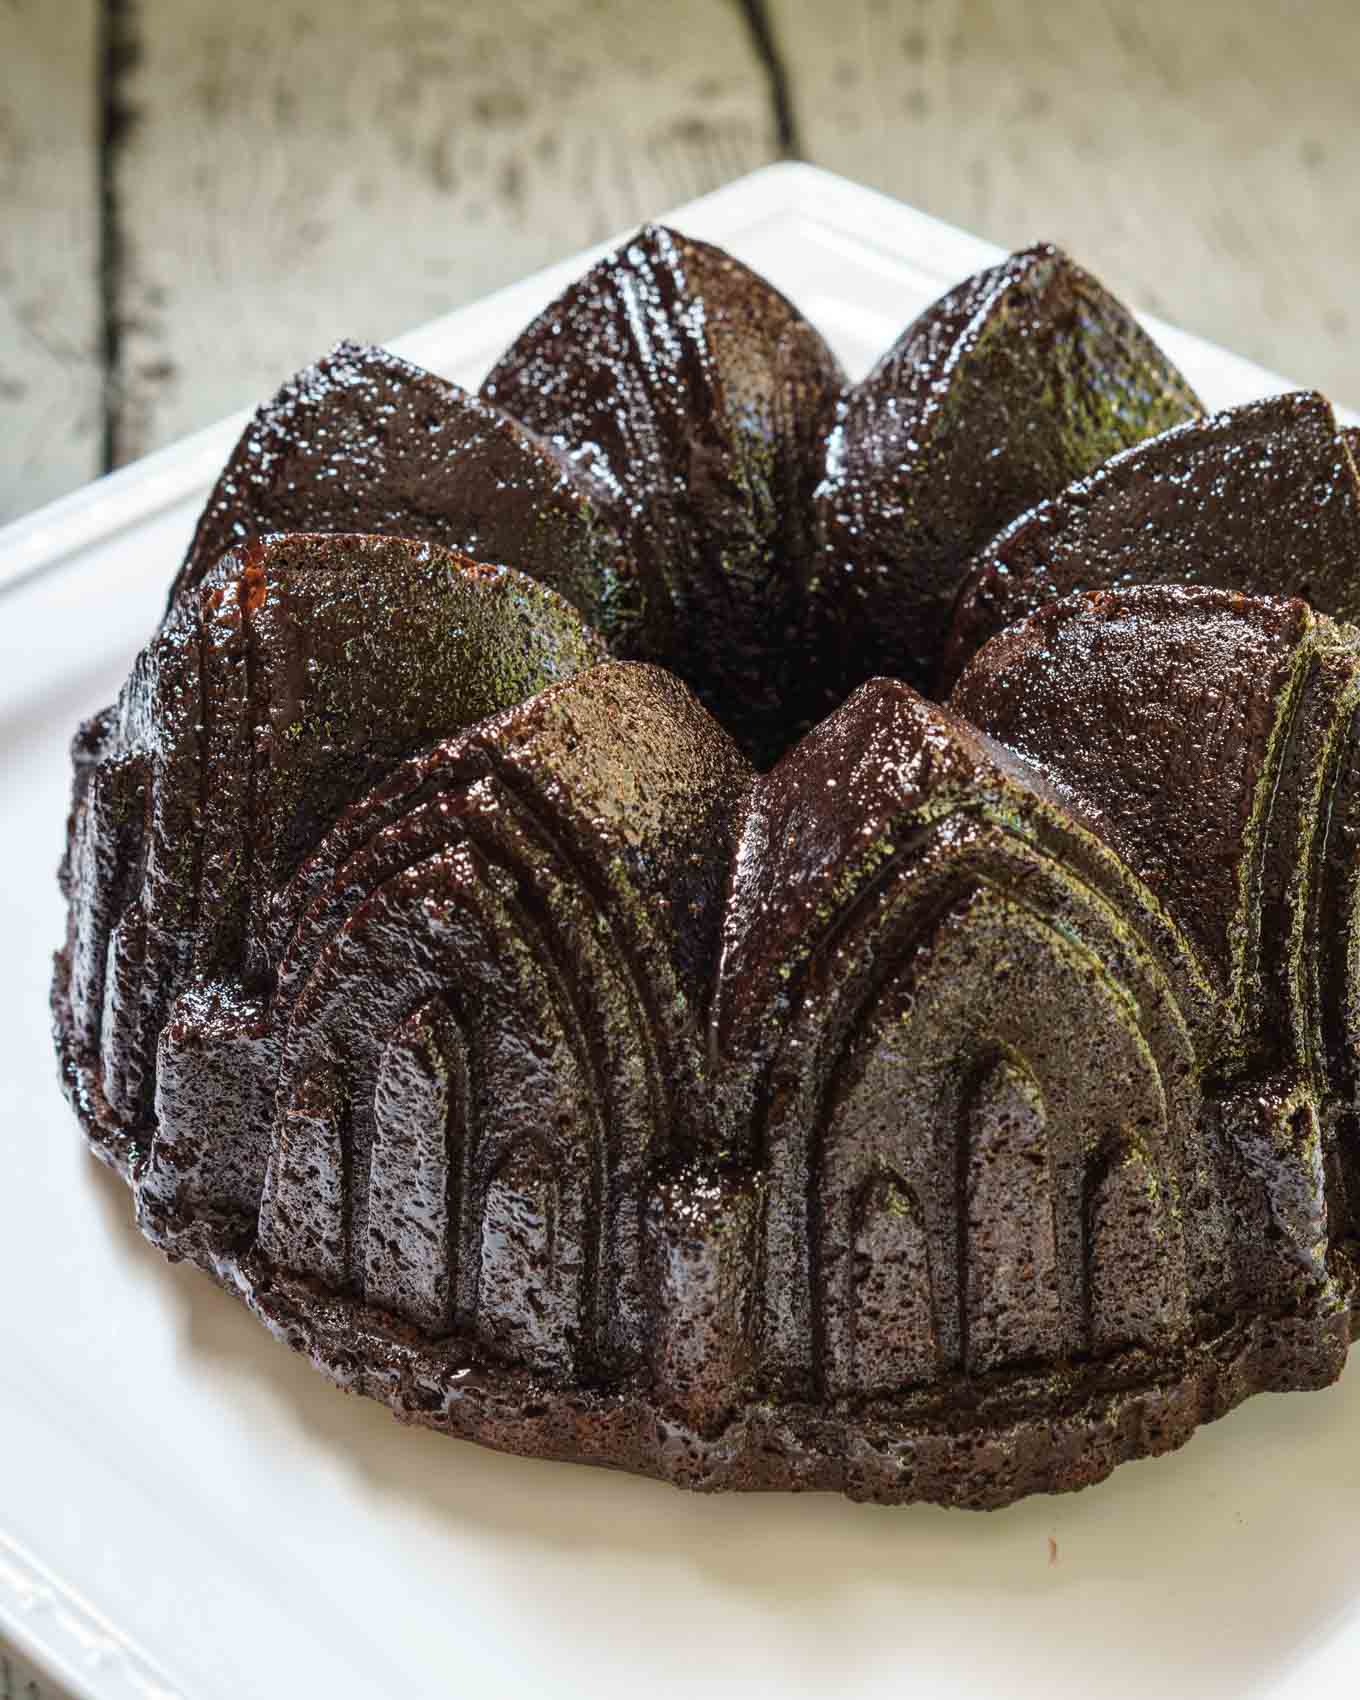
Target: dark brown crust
(1261, 497)
(951, 1112)
(700, 1320)
(365, 442)
(1024, 377)
(977, 1449)
(1149, 753)
(693, 399)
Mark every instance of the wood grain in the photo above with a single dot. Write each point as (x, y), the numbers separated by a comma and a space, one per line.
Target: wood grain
(296, 171)
(50, 380)
(299, 169)
(19, 1680)
(1199, 155)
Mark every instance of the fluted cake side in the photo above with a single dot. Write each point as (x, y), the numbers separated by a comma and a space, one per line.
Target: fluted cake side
(950, 1109)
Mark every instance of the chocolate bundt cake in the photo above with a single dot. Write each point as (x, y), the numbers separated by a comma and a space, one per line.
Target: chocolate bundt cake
(532, 939)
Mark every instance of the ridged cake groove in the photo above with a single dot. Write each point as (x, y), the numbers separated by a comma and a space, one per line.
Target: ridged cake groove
(671, 1046)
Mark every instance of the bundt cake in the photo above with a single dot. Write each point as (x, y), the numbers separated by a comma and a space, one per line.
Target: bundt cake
(533, 940)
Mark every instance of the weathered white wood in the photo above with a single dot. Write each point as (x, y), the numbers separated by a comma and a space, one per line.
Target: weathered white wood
(50, 387)
(19, 1680)
(301, 169)
(1199, 155)
(298, 170)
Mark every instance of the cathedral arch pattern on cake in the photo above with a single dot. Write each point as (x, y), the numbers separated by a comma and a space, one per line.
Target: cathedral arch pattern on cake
(515, 945)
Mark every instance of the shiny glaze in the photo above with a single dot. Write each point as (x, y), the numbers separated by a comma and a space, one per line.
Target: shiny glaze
(1260, 496)
(366, 442)
(953, 1110)
(693, 398)
(1024, 377)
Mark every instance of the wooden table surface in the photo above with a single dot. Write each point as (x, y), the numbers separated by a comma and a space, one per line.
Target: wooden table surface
(195, 199)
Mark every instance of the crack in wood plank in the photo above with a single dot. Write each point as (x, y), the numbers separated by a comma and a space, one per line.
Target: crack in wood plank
(185, 225)
(296, 173)
(766, 45)
(49, 369)
(116, 56)
(1199, 158)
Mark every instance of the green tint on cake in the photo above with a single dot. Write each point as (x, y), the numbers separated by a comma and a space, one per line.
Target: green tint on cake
(530, 937)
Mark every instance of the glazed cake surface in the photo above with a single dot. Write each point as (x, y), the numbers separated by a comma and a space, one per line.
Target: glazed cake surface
(532, 937)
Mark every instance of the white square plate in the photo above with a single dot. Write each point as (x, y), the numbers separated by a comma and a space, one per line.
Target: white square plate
(187, 1509)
